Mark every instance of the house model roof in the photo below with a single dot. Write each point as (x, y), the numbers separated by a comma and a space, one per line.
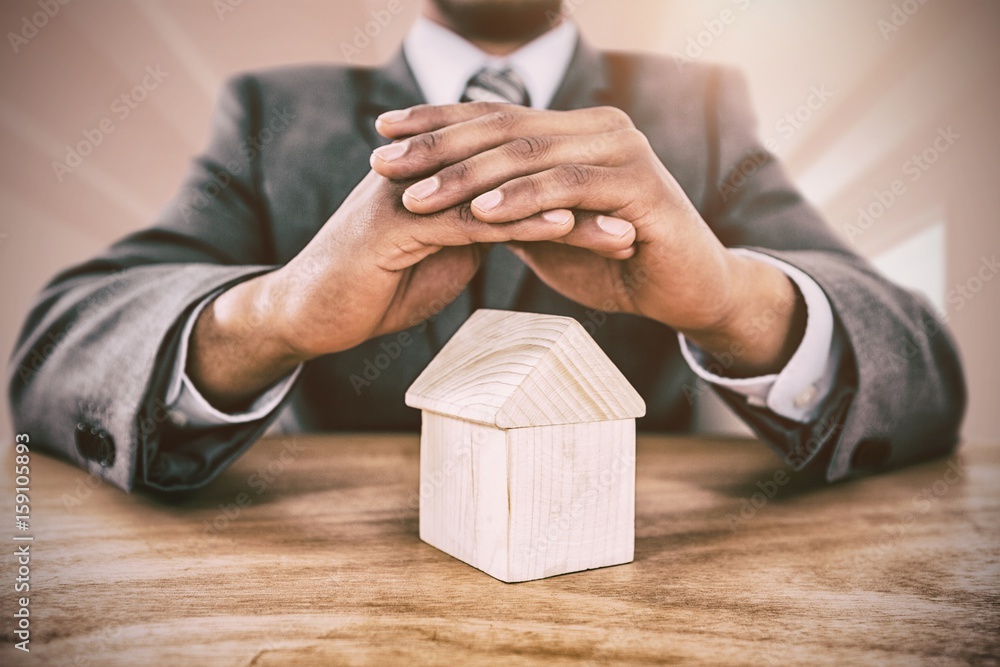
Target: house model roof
(512, 370)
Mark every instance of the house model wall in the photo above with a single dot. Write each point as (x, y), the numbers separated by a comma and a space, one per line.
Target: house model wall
(527, 454)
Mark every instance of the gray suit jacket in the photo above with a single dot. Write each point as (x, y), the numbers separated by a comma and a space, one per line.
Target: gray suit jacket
(89, 374)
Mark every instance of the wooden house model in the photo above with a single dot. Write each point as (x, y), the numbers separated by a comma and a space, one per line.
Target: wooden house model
(527, 448)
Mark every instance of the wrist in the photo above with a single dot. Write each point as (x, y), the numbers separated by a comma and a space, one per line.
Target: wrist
(250, 316)
(762, 323)
(235, 352)
(308, 316)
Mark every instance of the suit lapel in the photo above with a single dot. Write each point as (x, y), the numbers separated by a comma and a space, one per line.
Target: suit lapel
(385, 88)
(586, 83)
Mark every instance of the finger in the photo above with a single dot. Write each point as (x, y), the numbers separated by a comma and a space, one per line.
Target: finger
(440, 279)
(428, 117)
(530, 252)
(620, 255)
(571, 186)
(521, 157)
(424, 117)
(428, 150)
(605, 235)
(458, 226)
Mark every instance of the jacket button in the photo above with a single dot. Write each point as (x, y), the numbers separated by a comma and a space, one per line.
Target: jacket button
(95, 444)
(105, 449)
(871, 453)
(82, 437)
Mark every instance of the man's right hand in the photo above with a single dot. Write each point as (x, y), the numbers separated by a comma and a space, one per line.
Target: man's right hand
(372, 269)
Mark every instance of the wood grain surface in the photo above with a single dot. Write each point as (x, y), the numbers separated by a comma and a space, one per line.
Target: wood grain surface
(306, 552)
(528, 503)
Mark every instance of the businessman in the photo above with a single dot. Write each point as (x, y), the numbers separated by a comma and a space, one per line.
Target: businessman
(343, 222)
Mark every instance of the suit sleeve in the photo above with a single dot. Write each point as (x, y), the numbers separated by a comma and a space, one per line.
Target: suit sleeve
(89, 373)
(900, 393)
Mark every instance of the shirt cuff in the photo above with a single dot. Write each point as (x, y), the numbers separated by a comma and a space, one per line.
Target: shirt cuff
(189, 409)
(799, 390)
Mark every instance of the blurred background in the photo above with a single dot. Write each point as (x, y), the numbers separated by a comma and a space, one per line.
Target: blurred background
(884, 111)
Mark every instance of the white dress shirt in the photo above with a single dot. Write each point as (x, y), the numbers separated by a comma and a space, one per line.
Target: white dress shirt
(442, 63)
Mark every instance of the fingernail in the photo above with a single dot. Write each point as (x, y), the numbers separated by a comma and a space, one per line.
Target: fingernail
(559, 217)
(488, 201)
(424, 189)
(394, 116)
(614, 226)
(391, 152)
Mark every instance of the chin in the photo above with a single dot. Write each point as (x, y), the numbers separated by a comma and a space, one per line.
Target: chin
(499, 20)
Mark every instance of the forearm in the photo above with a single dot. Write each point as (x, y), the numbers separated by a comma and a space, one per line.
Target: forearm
(238, 346)
(764, 325)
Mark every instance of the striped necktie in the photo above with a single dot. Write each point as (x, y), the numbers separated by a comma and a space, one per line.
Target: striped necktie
(492, 85)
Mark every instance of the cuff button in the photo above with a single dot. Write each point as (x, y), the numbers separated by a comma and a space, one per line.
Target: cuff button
(806, 397)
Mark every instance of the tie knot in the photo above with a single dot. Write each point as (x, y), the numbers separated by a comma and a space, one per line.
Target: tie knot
(492, 85)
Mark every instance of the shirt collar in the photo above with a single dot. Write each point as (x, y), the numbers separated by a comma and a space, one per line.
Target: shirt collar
(443, 62)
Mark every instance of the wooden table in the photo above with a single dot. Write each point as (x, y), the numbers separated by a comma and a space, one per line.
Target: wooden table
(306, 552)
